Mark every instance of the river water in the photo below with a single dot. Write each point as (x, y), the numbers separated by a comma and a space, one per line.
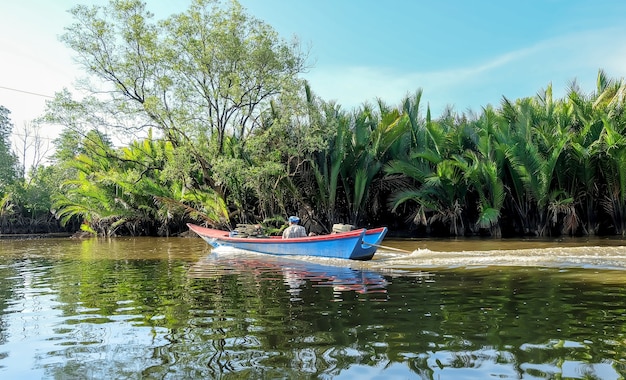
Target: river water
(151, 308)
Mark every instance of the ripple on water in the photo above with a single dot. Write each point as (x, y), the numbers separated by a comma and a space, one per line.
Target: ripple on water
(606, 258)
(105, 309)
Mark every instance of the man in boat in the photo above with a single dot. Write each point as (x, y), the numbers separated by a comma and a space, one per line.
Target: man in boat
(294, 230)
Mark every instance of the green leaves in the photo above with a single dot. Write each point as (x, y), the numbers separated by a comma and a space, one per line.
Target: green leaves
(128, 189)
(9, 164)
(239, 135)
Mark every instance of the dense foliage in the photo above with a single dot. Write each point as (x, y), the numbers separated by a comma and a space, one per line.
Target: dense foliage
(225, 132)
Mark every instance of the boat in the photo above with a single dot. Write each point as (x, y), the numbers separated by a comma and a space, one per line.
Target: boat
(360, 244)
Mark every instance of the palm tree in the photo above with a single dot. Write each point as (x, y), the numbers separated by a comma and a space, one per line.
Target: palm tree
(536, 146)
(439, 188)
(582, 159)
(483, 167)
(326, 164)
(614, 171)
(138, 188)
(373, 136)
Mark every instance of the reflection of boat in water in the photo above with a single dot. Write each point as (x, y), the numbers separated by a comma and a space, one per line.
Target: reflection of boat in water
(296, 274)
(341, 279)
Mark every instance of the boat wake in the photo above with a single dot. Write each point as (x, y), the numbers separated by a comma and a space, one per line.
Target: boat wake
(610, 258)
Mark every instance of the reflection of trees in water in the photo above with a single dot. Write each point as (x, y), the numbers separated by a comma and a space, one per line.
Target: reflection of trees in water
(121, 317)
(436, 326)
(296, 274)
(9, 281)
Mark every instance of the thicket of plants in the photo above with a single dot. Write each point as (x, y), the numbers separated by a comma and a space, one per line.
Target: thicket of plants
(230, 134)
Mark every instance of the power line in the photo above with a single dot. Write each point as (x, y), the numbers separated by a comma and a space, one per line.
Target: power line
(27, 92)
(32, 136)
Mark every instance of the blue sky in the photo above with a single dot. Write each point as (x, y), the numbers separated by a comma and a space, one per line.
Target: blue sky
(463, 53)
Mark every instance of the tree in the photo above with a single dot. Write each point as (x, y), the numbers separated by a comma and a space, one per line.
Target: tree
(32, 148)
(374, 135)
(196, 77)
(280, 163)
(437, 185)
(9, 164)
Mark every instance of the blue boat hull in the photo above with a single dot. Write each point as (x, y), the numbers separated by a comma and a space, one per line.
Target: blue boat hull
(355, 245)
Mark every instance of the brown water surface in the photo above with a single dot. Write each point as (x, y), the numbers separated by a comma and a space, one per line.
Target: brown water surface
(438, 309)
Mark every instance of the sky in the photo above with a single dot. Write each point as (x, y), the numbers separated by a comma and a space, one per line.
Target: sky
(461, 53)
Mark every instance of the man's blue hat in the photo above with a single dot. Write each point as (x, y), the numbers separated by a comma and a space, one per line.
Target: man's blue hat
(294, 219)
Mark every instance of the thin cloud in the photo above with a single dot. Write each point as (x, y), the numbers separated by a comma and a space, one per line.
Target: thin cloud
(517, 73)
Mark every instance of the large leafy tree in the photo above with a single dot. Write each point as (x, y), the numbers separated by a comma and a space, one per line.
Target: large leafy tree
(283, 161)
(196, 78)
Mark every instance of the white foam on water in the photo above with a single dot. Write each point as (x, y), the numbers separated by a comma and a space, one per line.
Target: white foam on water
(612, 257)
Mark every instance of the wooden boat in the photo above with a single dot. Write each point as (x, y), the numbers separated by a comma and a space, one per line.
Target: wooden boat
(358, 244)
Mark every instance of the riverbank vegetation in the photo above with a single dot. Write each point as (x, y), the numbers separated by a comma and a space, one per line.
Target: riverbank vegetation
(213, 124)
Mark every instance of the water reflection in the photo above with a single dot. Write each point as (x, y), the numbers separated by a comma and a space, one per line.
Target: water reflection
(296, 274)
(133, 308)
